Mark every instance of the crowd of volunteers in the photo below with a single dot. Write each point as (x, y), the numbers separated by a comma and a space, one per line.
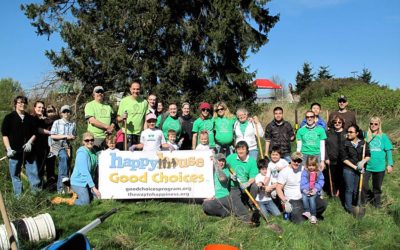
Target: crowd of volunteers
(329, 157)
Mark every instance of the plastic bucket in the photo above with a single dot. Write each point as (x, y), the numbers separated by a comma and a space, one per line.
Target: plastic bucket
(32, 229)
(220, 247)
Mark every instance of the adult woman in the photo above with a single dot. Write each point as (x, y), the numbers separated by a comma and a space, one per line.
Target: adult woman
(204, 122)
(187, 126)
(336, 138)
(381, 159)
(224, 121)
(352, 153)
(85, 167)
(170, 121)
(245, 130)
(41, 147)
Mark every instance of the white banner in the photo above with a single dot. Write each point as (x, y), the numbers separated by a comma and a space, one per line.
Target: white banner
(162, 174)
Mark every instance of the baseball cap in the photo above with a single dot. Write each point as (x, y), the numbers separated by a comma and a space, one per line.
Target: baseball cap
(97, 88)
(342, 98)
(204, 105)
(296, 156)
(64, 108)
(220, 157)
(151, 116)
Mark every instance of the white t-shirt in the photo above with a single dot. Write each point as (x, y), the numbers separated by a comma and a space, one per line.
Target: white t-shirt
(291, 182)
(261, 195)
(111, 150)
(274, 168)
(202, 147)
(151, 139)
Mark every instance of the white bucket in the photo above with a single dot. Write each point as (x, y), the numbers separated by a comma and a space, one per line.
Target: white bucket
(33, 229)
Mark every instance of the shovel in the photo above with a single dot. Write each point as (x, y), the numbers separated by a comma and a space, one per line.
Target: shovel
(359, 211)
(274, 227)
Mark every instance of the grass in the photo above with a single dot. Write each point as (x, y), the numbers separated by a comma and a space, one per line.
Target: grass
(156, 224)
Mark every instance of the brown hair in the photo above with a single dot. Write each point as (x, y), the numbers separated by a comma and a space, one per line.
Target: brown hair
(312, 161)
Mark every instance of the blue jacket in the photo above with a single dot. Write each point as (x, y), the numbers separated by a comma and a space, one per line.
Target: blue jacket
(305, 181)
(320, 122)
(83, 169)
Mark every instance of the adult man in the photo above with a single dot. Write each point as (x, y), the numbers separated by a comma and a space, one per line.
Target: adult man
(132, 110)
(99, 117)
(152, 101)
(311, 140)
(316, 108)
(288, 190)
(170, 121)
(349, 117)
(279, 133)
(19, 132)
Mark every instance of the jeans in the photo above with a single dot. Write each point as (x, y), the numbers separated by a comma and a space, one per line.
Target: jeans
(287, 158)
(224, 149)
(62, 168)
(298, 209)
(351, 179)
(84, 195)
(254, 153)
(310, 204)
(269, 207)
(15, 167)
(377, 179)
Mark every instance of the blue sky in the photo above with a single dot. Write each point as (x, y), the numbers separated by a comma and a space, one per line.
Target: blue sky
(346, 35)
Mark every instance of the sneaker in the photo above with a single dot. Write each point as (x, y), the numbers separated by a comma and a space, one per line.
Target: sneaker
(255, 218)
(307, 215)
(313, 220)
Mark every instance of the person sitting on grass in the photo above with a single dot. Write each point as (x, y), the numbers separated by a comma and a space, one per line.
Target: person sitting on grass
(263, 198)
(312, 182)
(84, 170)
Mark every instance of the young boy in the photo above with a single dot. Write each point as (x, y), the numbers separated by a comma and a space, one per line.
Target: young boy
(263, 196)
(172, 140)
(62, 133)
(274, 167)
(111, 143)
(151, 139)
(203, 145)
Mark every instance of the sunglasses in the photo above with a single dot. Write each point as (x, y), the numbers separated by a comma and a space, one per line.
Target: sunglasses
(99, 91)
(21, 102)
(351, 132)
(337, 122)
(220, 109)
(298, 161)
(89, 140)
(342, 101)
(373, 123)
(66, 111)
(50, 111)
(309, 117)
(208, 110)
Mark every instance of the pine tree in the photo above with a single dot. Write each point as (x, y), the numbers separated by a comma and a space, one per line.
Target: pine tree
(303, 79)
(366, 76)
(324, 73)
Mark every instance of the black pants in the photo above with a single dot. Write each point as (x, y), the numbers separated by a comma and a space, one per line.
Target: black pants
(132, 139)
(375, 195)
(336, 177)
(297, 209)
(226, 206)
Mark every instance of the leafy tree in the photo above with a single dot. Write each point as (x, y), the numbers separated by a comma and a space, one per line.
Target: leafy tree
(303, 79)
(9, 90)
(366, 76)
(324, 73)
(179, 49)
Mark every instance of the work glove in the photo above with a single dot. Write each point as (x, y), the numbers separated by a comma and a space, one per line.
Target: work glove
(244, 185)
(288, 206)
(132, 148)
(233, 177)
(10, 152)
(27, 147)
(360, 168)
(361, 164)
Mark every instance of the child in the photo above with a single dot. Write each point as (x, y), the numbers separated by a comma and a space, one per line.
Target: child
(63, 131)
(172, 140)
(151, 139)
(203, 145)
(263, 197)
(312, 181)
(111, 143)
(274, 167)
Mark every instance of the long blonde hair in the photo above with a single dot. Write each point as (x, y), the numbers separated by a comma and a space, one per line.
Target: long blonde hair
(374, 119)
(227, 113)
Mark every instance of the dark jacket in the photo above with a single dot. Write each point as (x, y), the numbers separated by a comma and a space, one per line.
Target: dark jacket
(19, 131)
(354, 154)
(187, 125)
(279, 136)
(334, 143)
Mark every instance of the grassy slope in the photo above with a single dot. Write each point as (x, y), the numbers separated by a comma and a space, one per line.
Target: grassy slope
(168, 225)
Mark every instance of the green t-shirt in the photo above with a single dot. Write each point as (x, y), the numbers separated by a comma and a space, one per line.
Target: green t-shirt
(224, 130)
(200, 125)
(170, 123)
(310, 139)
(380, 148)
(244, 170)
(221, 189)
(136, 111)
(102, 113)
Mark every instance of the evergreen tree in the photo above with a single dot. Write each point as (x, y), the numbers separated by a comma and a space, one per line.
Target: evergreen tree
(366, 76)
(324, 73)
(9, 90)
(190, 48)
(303, 79)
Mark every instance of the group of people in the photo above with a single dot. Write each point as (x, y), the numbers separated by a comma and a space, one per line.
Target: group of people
(280, 181)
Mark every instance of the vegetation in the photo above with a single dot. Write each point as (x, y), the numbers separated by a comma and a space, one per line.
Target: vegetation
(9, 89)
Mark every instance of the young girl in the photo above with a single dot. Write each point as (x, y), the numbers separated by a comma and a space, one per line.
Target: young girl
(111, 143)
(203, 145)
(151, 139)
(312, 181)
